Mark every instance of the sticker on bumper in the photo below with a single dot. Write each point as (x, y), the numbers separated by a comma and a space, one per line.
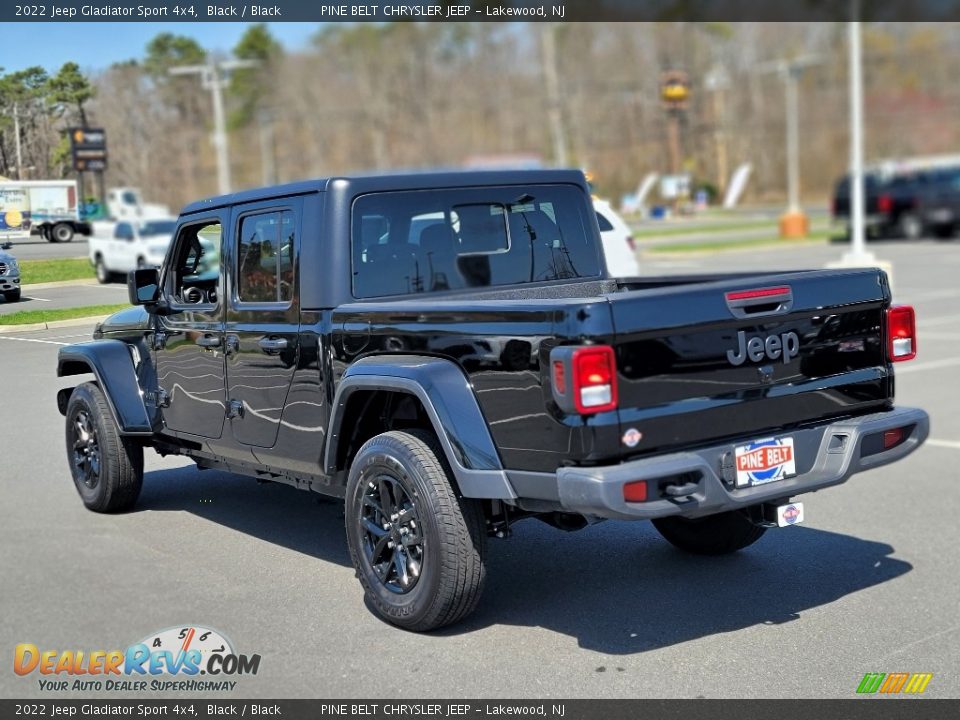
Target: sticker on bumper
(764, 461)
(791, 514)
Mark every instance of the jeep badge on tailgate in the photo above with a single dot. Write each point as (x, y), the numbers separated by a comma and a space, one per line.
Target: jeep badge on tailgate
(757, 348)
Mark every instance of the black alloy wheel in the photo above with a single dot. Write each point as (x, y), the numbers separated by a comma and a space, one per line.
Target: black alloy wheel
(391, 526)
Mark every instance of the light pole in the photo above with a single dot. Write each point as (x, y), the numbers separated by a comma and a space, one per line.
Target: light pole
(213, 79)
(858, 253)
(551, 80)
(793, 223)
(717, 82)
(16, 134)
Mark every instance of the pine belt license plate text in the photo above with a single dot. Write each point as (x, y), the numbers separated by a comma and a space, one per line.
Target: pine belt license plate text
(764, 461)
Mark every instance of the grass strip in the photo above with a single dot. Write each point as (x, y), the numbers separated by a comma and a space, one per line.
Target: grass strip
(734, 244)
(28, 317)
(58, 269)
(669, 230)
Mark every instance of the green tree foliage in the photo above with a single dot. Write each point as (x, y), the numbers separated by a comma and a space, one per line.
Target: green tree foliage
(251, 86)
(167, 50)
(68, 90)
(21, 92)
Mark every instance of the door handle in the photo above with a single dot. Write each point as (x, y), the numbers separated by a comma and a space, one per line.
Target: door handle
(271, 345)
(208, 341)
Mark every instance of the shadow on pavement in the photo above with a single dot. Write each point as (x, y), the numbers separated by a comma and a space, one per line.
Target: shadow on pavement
(304, 522)
(617, 587)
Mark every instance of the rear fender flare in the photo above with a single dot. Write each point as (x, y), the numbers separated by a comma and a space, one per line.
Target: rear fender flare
(111, 363)
(446, 395)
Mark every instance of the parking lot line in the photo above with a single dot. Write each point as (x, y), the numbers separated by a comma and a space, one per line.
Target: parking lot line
(32, 297)
(64, 337)
(952, 444)
(931, 365)
(939, 320)
(34, 340)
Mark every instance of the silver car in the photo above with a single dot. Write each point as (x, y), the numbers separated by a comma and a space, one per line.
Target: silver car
(9, 274)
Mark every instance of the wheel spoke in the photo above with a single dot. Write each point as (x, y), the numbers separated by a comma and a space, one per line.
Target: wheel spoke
(400, 565)
(382, 570)
(371, 503)
(414, 566)
(373, 528)
(386, 497)
(378, 549)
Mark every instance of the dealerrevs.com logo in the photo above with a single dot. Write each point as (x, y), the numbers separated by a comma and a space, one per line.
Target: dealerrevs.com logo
(170, 660)
(894, 683)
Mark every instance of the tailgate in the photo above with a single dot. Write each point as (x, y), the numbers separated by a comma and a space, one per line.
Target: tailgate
(745, 357)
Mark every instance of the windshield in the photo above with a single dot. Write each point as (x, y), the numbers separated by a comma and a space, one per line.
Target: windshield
(158, 227)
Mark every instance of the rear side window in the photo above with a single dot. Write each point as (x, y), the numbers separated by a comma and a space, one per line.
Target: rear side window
(604, 224)
(265, 257)
(436, 240)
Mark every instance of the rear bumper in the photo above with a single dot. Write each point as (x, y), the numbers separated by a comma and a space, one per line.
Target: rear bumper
(826, 455)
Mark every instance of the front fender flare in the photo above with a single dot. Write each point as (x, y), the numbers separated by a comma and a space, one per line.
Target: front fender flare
(110, 362)
(446, 395)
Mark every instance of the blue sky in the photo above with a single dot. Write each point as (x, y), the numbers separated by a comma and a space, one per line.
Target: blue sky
(97, 45)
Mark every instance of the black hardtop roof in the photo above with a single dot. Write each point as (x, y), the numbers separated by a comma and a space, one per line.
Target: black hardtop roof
(359, 184)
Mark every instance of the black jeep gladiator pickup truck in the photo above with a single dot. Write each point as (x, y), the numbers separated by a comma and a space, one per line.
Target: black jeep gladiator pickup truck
(446, 352)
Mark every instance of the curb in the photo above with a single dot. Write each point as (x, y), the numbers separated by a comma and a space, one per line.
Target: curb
(52, 325)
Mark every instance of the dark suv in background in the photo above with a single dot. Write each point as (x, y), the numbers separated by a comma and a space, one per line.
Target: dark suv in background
(890, 204)
(938, 201)
(905, 204)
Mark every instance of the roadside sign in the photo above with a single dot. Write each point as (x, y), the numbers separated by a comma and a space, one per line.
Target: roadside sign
(88, 147)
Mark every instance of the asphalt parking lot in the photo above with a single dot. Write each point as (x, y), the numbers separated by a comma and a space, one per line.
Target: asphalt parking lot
(868, 584)
(80, 294)
(36, 248)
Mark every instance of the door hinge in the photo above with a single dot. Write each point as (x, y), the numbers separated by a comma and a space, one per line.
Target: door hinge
(235, 409)
(160, 398)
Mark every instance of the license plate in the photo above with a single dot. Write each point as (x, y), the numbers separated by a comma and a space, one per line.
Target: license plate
(764, 461)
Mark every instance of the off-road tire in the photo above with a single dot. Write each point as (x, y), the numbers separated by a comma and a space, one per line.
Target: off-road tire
(451, 528)
(719, 534)
(119, 478)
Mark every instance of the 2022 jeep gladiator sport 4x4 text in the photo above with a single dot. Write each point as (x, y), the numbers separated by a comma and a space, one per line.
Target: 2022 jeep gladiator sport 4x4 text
(446, 352)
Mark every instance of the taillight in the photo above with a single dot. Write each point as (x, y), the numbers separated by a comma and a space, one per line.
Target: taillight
(594, 379)
(884, 203)
(901, 333)
(632, 242)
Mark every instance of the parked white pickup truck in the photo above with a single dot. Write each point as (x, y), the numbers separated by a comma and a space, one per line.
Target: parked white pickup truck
(134, 244)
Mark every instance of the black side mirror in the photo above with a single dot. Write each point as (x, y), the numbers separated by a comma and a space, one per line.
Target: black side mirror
(143, 286)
